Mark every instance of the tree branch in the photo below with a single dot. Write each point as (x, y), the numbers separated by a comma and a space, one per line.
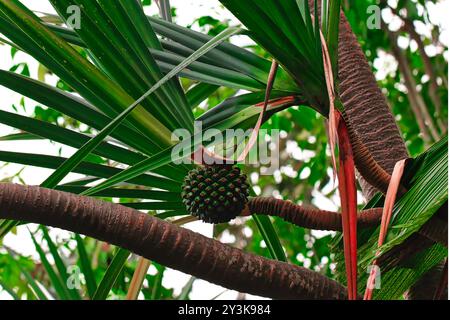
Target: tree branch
(310, 218)
(165, 243)
(434, 230)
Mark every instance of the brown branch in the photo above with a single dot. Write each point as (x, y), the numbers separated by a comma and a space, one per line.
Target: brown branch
(310, 218)
(165, 243)
(434, 230)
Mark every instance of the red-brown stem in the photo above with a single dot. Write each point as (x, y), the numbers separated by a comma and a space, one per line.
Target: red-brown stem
(165, 243)
(347, 192)
(308, 217)
(389, 202)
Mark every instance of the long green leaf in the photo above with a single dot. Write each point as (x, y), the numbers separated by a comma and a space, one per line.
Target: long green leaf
(226, 55)
(20, 137)
(280, 28)
(398, 280)
(187, 288)
(73, 161)
(60, 266)
(27, 30)
(199, 93)
(67, 137)
(59, 285)
(270, 237)
(9, 290)
(247, 114)
(73, 107)
(126, 193)
(34, 285)
(165, 9)
(81, 110)
(332, 35)
(150, 40)
(76, 140)
(117, 55)
(87, 168)
(86, 268)
(206, 70)
(160, 159)
(111, 274)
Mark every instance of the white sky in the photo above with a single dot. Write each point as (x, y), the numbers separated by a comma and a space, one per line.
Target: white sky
(187, 11)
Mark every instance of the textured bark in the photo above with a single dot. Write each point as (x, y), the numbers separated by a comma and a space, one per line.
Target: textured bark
(165, 243)
(310, 218)
(367, 166)
(366, 106)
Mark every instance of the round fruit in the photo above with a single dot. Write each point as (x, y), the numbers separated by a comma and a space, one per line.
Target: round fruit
(215, 193)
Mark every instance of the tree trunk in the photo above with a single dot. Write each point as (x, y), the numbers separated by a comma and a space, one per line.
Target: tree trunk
(366, 106)
(309, 217)
(165, 243)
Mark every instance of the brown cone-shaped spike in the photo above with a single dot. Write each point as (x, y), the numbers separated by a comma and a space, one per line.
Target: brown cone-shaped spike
(215, 193)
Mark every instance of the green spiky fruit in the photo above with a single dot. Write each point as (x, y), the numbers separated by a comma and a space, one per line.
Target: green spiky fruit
(215, 193)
